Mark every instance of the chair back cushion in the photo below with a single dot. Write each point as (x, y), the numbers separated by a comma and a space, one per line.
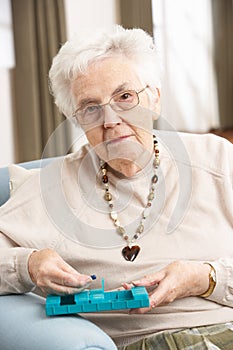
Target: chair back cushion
(4, 176)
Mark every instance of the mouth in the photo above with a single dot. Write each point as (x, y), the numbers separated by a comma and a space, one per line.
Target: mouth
(118, 139)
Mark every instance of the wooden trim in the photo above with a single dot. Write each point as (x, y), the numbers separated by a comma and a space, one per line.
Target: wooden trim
(137, 14)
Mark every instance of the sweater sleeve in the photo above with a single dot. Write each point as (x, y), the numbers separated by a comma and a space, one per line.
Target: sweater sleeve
(14, 275)
(223, 292)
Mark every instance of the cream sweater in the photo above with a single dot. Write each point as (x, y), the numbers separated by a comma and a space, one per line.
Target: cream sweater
(62, 207)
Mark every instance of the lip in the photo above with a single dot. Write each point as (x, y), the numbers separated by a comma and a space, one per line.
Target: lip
(118, 139)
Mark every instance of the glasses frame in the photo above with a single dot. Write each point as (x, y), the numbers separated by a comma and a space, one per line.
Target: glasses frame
(78, 111)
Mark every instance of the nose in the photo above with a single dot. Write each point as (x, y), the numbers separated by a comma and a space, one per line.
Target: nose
(111, 118)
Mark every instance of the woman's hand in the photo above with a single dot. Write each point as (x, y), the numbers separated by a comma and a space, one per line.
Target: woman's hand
(53, 275)
(177, 280)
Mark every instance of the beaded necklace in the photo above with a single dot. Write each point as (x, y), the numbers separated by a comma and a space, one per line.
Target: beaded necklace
(130, 251)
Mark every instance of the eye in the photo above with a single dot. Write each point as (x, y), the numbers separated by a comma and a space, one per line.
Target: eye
(91, 109)
(125, 96)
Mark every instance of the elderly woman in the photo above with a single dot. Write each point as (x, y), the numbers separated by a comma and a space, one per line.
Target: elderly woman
(135, 206)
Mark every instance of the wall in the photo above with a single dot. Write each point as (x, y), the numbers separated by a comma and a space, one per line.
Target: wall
(82, 16)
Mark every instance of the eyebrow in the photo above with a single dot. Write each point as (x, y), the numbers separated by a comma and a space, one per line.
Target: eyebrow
(88, 100)
(120, 88)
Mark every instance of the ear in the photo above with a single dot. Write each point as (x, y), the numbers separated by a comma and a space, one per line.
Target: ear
(156, 103)
(74, 121)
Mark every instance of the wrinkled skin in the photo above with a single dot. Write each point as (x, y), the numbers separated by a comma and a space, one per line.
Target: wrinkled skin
(53, 275)
(177, 280)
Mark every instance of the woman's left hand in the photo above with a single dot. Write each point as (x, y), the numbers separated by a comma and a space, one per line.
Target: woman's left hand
(177, 280)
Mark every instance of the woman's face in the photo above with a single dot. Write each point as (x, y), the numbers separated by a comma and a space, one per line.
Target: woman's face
(122, 139)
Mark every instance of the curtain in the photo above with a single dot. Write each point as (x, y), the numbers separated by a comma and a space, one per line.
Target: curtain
(184, 33)
(136, 13)
(39, 30)
(223, 50)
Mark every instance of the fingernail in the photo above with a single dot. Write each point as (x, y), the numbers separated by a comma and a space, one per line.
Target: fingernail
(93, 277)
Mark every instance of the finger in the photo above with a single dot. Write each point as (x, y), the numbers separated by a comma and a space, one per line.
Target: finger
(153, 304)
(57, 289)
(150, 280)
(127, 286)
(67, 268)
(159, 297)
(141, 311)
(153, 301)
(61, 288)
(76, 276)
(164, 294)
(72, 280)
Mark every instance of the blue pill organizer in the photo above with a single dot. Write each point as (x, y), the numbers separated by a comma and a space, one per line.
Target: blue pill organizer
(97, 300)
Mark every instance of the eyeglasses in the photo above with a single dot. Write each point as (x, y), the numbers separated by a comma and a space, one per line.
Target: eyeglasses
(122, 101)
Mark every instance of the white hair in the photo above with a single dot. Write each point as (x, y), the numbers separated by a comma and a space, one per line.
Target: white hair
(76, 54)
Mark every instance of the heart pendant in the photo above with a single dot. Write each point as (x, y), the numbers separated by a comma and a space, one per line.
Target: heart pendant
(130, 254)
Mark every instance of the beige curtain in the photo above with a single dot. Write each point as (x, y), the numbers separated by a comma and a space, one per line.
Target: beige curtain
(136, 13)
(223, 34)
(188, 82)
(39, 30)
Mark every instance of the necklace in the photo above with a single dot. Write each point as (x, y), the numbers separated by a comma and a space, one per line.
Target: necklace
(130, 251)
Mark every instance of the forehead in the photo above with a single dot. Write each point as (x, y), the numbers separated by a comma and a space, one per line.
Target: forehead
(104, 77)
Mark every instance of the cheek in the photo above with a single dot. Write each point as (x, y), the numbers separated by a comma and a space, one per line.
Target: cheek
(94, 136)
(143, 130)
(144, 137)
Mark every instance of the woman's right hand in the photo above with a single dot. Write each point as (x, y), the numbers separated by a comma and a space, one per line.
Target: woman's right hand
(53, 275)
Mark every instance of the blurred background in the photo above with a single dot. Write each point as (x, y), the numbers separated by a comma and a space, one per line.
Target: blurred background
(194, 42)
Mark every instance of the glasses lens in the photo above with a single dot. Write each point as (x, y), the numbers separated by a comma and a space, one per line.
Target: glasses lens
(89, 114)
(124, 100)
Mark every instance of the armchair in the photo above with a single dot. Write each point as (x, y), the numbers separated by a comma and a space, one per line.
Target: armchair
(23, 323)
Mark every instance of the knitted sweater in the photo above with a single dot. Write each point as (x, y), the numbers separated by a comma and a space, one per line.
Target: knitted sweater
(191, 218)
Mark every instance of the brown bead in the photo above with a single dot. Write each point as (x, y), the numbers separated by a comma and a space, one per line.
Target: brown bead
(154, 179)
(105, 179)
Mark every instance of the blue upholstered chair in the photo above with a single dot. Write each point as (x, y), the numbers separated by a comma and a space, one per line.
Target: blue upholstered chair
(23, 323)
